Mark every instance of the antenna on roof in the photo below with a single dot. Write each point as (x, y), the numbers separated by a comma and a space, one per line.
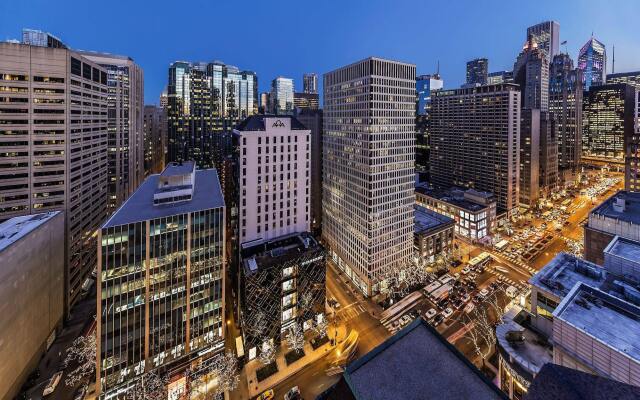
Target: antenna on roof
(613, 67)
(438, 69)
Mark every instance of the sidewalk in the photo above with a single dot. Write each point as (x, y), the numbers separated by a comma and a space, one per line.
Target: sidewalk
(284, 371)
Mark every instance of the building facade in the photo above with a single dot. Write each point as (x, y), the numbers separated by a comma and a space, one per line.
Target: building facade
(155, 139)
(592, 61)
(204, 100)
(495, 78)
(273, 177)
(312, 120)
(609, 113)
(161, 278)
(281, 96)
(306, 101)
(477, 71)
(368, 167)
(565, 105)
(474, 212)
(282, 283)
(464, 156)
(547, 35)
(433, 234)
(631, 78)
(125, 82)
(632, 153)
(425, 84)
(32, 296)
(54, 153)
(310, 83)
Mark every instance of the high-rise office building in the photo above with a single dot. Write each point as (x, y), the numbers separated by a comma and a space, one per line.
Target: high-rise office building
(425, 84)
(41, 39)
(155, 139)
(274, 177)
(565, 105)
(161, 278)
(592, 61)
(477, 71)
(281, 96)
(485, 159)
(632, 78)
(312, 120)
(310, 83)
(368, 167)
(265, 103)
(125, 82)
(608, 117)
(632, 153)
(306, 101)
(547, 35)
(164, 99)
(55, 146)
(497, 77)
(538, 152)
(205, 100)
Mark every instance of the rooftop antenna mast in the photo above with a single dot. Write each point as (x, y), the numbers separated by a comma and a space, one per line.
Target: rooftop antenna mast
(613, 66)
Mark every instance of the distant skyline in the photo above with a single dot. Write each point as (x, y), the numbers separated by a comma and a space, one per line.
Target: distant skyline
(289, 38)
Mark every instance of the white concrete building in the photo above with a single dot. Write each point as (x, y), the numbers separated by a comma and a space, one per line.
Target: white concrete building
(274, 177)
(368, 167)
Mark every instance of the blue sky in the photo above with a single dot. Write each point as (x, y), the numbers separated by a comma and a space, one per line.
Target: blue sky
(292, 37)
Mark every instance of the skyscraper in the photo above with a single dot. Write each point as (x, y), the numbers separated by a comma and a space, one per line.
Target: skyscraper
(608, 114)
(161, 278)
(538, 152)
(55, 146)
(485, 158)
(477, 71)
(632, 153)
(281, 96)
(497, 77)
(312, 120)
(204, 101)
(306, 101)
(273, 177)
(547, 35)
(565, 104)
(125, 81)
(368, 167)
(425, 84)
(592, 61)
(155, 139)
(310, 83)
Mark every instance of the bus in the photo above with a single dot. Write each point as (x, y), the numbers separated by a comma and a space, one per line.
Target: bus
(431, 287)
(442, 292)
(480, 260)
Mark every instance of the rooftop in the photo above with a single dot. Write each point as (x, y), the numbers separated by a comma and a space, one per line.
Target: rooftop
(623, 206)
(624, 248)
(609, 320)
(564, 271)
(427, 220)
(16, 228)
(175, 169)
(257, 122)
(524, 346)
(454, 196)
(417, 363)
(207, 194)
(264, 254)
(555, 382)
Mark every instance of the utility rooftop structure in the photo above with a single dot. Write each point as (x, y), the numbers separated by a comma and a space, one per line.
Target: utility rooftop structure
(600, 330)
(564, 271)
(427, 220)
(415, 363)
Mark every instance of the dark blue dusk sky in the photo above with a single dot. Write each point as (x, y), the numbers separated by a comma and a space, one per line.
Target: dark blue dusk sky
(292, 37)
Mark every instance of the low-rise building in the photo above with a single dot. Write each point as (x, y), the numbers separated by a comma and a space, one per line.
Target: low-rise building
(474, 212)
(433, 233)
(618, 215)
(282, 283)
(622, 258)
(31, 293)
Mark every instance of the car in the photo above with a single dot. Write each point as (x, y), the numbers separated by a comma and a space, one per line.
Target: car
(511, 291)
(430, 314)
(465, 297)
(437, 320)
(447, 313)
(484, 292)
(53, 383)
(458, 304)
(293, 394)
(465, 270)
(456, 275)
(473, 275)
(443, 303)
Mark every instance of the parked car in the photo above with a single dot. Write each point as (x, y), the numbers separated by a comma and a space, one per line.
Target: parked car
(447, 313)
(430, 314)
(465, 270)
(437, 320)
(293, 394)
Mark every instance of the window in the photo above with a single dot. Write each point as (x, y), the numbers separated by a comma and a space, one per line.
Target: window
(76, 66)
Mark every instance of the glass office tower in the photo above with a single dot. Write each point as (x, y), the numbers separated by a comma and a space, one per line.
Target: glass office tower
(281, 97)
(425, 84)
(161, 278)
(592, 61)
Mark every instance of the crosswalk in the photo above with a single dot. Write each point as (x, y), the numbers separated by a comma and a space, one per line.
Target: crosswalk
(516, 262)
(502, 278)
(350, 312)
